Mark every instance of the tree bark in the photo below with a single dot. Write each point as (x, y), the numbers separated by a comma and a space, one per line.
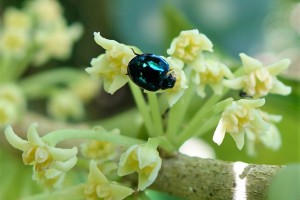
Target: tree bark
(198, 179)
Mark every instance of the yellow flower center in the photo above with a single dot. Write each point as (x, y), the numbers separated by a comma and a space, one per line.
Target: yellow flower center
(187, 48)
(98, 149)
(96, 191)
(39, 156)
(236, 118)
(258, 83)
(148, 169)
(209, 77)
(13, 42)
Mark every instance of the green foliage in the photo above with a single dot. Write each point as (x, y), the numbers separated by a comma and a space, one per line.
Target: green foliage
(285, 184)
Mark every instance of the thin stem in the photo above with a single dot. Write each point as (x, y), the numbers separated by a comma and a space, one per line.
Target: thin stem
(198, 118)
(6, 70)
(155, 113)
(202, 113)
(142, 106)
(177, 113)
(57, 136)
(75, 192)
(208, 125)
(42, 84)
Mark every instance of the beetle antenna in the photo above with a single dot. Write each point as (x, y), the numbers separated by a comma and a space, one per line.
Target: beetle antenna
(135, 52)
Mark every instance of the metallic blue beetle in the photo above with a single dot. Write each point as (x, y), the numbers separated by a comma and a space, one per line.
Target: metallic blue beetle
(150, 72)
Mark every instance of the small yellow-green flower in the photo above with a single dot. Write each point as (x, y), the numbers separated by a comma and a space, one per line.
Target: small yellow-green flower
(101, 150)
(16, 19)
(56, 42)
(174, 94)
(8, 112)
(12, 104)
(111, 66)
(143, 159)
(46, 12)
(13, 94)
(65, 105)
(211, 73)
(13, 43)
(189, 45)
(237, 118)
(50, 163)
(271, 138)
(85, 88)
(260, 80)
(98, 187)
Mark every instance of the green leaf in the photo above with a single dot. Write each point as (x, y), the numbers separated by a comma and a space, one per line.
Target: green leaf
(285, 184)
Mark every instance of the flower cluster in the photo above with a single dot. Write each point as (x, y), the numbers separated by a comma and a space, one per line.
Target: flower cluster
(192, 69)
(37, 30)
(49, 163)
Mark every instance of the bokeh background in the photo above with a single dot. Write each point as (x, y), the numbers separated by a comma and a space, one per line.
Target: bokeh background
(268, 30)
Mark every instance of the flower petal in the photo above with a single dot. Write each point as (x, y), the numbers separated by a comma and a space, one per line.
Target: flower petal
(66, 165)
(95, 174)
(219, 133)
(14, 140)
(33, 135)
(60, 154)
(120, 192)
(103, 42)
(280, 88)
(236, 83)
(250, 64)
(239, 139)
(276, 68)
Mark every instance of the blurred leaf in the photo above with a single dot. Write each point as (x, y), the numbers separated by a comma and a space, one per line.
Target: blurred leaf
(285, 184)
(160, 195)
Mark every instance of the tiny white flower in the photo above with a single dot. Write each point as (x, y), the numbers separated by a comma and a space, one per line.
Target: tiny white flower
(56, 42)
(65, 105)
(8, 112)
(13, 94)
(50, 163)
(174, 94)
(86, 88)
(211, 73)
(14, 43)
(45, 11)
(98, 187)
(260, 80)
(188, 45)
(237, 117)
(100, 150)
(111, 66)
(143, 159)
(16, 19)
(271, 138)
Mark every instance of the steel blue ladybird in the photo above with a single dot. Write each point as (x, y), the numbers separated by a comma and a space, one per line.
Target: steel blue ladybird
(150, 72)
